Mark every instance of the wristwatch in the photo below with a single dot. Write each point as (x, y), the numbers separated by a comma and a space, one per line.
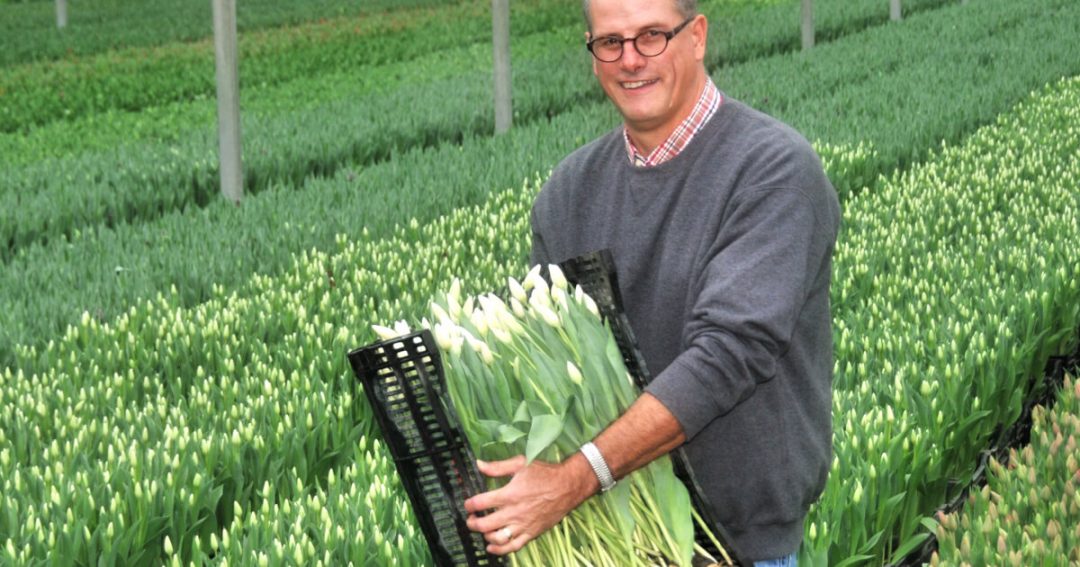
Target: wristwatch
(599, 466)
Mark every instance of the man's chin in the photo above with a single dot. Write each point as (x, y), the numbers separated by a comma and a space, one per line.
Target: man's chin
(640, 119)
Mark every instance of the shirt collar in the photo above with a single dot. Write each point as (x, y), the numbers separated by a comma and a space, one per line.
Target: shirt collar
(703, 110)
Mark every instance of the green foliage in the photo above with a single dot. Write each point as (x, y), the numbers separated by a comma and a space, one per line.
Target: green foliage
(28, 30)
(224, 245)
(1029, 511)
(290, 133)
(953, 283)
(907, 88)
(136, 78)
(954, 279)
(176, 422)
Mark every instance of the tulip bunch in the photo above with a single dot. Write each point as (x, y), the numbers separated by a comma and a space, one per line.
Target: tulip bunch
(539, 375)
(1029, 511)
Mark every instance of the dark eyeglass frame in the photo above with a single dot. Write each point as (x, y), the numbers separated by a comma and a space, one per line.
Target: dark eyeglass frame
(622, 41)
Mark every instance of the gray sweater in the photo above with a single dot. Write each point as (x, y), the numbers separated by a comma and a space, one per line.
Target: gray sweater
(723, 256)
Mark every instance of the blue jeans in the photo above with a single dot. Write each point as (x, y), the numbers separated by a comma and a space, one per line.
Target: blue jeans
(788, 561)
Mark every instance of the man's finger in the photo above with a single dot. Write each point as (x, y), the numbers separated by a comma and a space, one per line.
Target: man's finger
(513, 545)
(497, 469)
(488, 523)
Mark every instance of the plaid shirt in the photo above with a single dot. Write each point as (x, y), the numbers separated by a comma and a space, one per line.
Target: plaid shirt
(703, 110)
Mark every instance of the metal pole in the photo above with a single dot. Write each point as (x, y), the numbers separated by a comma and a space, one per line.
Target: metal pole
(895, 13)
(61, 14)
(500, 26)
(228, 93)
(807, 24)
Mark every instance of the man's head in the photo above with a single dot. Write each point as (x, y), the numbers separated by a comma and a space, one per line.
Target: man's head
(653, 93)
(686, 9)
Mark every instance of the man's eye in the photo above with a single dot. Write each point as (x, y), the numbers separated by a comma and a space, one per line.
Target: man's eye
(653, 34)
(610, 42)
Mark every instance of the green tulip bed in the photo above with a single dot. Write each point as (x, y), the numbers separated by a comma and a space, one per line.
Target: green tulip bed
(114, 165)
(1029, 512)
(173, 381)
(197, 249)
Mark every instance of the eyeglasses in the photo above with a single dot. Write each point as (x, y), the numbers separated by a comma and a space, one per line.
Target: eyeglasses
(649, 44)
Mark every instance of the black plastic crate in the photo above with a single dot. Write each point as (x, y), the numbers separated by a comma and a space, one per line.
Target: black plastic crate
(595, 273)
(404, 381)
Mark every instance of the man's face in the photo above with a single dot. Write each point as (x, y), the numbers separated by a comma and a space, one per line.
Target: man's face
(652, 93)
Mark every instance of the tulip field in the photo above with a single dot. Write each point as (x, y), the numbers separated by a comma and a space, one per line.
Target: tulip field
(173, 380)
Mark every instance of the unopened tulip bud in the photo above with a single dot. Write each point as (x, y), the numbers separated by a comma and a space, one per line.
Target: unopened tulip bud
(517, 291)
(558, 279)
(532, 278)
(574, 373)
(518, 307)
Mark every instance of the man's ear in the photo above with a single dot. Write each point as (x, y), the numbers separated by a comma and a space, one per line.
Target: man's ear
(595, 71)
(700, 31)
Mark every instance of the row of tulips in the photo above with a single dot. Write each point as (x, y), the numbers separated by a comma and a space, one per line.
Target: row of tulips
(134, 166)
(169, 421)
(134, 385)
(28, 33)
(954, 283)
(1029, 511)
(139, 77)
(293, 130)
(196, 249)
(444, 55)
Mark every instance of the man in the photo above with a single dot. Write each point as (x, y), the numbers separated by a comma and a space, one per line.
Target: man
(722, 225)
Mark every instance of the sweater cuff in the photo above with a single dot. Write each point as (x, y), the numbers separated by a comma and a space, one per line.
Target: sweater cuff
(691, 401)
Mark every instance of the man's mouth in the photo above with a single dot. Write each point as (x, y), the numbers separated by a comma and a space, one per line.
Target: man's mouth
(632, 85)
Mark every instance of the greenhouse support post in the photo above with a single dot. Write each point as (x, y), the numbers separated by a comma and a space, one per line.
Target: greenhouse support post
(61, 14)
(500, 24)
(228, 94)
(807, 24)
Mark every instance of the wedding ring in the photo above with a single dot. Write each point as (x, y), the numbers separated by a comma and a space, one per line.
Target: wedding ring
(506, 535)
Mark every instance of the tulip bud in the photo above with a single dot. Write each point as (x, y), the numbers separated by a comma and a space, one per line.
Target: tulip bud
(558, 279)
(574, 373)
(384, 333)
(532, 278)
(517, 291)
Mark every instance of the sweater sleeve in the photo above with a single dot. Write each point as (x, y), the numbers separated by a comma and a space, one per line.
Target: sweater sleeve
(539, 253)
(757, 275)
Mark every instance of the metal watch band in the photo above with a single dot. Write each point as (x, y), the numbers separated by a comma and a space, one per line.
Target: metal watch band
(599, 466)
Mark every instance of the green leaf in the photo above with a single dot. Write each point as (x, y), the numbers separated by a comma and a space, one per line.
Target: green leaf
(854, 560)
(522, 414)
(509, 434)
(910, 544)
(544, 431)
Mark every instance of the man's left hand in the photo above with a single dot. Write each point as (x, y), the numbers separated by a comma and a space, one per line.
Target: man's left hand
(537, 497)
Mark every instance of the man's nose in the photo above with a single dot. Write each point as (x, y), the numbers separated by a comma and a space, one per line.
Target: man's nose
(632, 60)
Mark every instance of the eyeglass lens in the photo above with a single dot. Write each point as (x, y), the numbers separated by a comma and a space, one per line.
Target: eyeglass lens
(649, 44)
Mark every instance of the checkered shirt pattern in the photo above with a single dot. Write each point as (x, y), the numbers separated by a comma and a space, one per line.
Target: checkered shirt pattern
(703, 110)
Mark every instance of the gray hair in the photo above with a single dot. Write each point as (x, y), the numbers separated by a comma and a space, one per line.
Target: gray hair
(687, 8)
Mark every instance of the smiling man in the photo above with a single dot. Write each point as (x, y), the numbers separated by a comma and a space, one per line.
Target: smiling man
(722, 224)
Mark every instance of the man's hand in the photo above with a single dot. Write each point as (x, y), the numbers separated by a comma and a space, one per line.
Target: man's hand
(537, 497)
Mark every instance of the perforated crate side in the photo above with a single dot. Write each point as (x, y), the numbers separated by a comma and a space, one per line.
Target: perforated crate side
(404, 382)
